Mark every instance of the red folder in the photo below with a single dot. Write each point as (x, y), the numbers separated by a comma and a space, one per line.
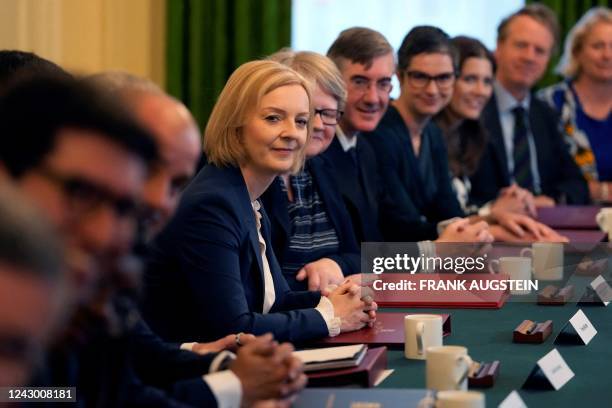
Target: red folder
(569, 216)
(441, 298)
(364, 375)
(387, 331)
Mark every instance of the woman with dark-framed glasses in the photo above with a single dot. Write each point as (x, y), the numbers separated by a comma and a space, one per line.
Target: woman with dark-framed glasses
(313, 236)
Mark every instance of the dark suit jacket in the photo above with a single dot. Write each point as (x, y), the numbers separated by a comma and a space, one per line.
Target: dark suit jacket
(560, 178)
(205, 276)
(361, 192)
(418, 211)
(161, 363)
(103, 370)
(275, 202)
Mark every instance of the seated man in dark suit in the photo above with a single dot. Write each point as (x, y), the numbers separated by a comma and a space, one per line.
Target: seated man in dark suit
(525, 144)
(365, 60)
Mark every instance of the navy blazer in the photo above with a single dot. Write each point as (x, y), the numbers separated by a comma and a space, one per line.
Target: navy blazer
(205, 276)
(102, 370)
(560, 178)
(159, 363)
(276, 202)
(362, 192)
(417, 214)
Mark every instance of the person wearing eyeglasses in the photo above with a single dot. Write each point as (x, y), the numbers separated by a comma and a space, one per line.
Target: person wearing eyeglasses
(466, 140)
(80, 158)
(410, 149)
(213, 266)
(312, 234)
(365, 60)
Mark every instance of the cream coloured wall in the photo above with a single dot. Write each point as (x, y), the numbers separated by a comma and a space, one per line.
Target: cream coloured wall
(87, 36)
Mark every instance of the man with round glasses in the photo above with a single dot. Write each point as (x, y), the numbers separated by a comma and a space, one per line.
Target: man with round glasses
(365, 60)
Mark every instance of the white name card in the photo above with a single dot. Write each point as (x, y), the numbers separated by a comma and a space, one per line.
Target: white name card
(583, 326)
(601, 287)
(555, 369)
(513, 400)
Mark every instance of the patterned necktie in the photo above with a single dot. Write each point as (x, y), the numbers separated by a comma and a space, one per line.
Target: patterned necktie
(522, 159)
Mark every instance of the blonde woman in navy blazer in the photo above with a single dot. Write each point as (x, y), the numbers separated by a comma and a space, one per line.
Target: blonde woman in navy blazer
(208, 275)
(312, 232)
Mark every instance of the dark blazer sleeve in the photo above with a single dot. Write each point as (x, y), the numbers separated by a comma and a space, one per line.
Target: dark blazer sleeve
(445, 202)
(215, 255)
(161, 363)
(185, 394)
(492, 172)
(560, 178)
(407, 214)
(400, 219)
(194, 392)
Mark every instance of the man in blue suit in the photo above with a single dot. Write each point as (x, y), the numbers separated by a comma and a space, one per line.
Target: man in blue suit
(525, 145)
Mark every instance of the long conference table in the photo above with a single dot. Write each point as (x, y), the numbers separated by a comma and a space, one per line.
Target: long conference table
(487, 333)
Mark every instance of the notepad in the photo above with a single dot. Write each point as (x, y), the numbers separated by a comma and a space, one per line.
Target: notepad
(332, 357)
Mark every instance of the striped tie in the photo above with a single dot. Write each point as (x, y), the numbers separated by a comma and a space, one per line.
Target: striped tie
(522, 160)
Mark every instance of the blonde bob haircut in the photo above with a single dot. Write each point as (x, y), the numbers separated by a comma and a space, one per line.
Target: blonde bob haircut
(569, 65)
(238, 100)
(317, 69)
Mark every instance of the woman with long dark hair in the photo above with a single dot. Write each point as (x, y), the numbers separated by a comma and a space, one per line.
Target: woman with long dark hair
(466, 140)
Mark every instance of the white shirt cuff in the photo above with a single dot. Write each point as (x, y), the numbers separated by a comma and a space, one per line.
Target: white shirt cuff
(485, 210)
(187, 346)
(326, 308)
(226, 388)
(219, 359)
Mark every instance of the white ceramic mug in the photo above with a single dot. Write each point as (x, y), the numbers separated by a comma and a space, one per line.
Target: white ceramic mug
(516, 267)
(447, 368)
(460, 399)
(604, 220)
(420, 332)
(547, 259)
